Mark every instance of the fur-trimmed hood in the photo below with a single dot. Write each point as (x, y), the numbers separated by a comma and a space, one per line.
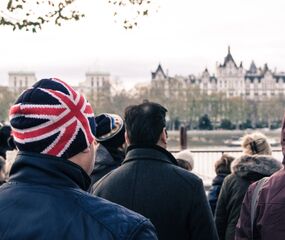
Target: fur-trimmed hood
(260, 164)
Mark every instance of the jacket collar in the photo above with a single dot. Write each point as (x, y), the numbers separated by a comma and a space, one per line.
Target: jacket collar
(264, 165)
(151, 152)
(48, 170)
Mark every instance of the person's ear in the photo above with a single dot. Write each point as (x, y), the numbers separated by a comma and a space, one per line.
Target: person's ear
(163, 136)
(86, 150)
(127, 138)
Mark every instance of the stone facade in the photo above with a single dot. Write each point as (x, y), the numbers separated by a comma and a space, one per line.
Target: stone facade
(18, 81)
(231, 79)
(96, 87)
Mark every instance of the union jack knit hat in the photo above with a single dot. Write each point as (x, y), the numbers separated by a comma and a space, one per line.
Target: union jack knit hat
(52, 118)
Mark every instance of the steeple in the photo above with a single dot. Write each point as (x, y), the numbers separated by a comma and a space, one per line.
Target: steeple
(252, 68)
(229, 58)
(159, 69)
(265, 68)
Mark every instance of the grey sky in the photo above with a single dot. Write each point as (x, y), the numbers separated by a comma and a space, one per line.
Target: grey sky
(185, 36)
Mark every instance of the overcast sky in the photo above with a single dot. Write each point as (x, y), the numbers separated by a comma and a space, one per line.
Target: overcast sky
(185, 36)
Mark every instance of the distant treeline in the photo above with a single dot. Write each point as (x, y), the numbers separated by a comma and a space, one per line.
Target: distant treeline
(190, 108)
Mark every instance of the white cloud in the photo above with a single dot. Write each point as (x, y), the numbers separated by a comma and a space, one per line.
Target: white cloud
(185, 36)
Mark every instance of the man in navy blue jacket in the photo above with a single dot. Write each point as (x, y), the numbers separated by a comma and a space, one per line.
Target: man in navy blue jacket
(45, 196)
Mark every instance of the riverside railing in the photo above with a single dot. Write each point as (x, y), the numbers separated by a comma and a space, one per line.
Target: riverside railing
(204, 160)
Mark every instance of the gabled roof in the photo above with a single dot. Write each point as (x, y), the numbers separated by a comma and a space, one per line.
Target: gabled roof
(252, 68)
(205, 73)
(229, 58)
(213, 79)
(265, 68)
(159, 69)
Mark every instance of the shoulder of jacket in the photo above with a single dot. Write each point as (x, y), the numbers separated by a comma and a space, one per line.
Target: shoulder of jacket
(190, 179)
(116, 219)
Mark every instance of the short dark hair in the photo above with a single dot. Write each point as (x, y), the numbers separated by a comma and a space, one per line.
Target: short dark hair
(184, 164)
(145, 123)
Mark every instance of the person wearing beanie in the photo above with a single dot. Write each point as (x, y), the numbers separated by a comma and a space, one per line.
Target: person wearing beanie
(222, 169)
(53, 127)
(185, 159)
(255, 163)
(110, 134)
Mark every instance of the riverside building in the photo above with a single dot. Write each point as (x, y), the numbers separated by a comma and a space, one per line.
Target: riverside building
(231, 78)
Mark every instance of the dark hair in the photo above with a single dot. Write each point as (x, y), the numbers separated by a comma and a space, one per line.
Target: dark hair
(223, 165)
(145, 122)
(6, 140)
(184, 164)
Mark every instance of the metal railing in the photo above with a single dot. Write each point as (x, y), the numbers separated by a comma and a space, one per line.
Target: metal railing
(204, 160)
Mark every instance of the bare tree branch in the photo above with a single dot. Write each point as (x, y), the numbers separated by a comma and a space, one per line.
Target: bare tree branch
(31, 15)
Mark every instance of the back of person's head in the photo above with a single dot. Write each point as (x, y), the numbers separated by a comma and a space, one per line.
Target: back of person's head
(223, 165)
(52, 118)
(110, 130)
(256, 143)
(2, 169)
(185, 159)
(145, 123)
(6, 140)
(5, 134)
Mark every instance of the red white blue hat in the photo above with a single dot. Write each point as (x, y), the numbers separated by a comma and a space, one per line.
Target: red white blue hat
(52, 118)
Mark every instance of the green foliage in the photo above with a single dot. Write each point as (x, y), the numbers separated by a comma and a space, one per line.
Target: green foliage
(205, 123)
(226, 124)
(32, 15)
(245, 125)
(134, 10)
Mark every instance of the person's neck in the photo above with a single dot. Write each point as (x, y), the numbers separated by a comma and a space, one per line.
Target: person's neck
(161, 144)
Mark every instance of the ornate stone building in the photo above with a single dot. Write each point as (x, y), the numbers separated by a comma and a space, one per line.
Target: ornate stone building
(231, 79)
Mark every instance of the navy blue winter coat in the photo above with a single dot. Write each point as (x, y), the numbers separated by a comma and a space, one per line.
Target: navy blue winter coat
(44, 199)
(214, 191)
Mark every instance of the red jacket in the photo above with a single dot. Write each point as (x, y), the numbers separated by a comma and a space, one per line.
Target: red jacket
(270, 211)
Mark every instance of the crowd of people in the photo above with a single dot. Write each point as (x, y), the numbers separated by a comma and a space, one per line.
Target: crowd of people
(81, 176)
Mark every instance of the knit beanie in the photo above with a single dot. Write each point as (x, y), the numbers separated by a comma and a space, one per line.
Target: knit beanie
(110, 130)
(52, 118)
(185, 155)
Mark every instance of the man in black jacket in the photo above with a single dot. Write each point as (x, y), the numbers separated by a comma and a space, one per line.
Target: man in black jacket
(45, 196)
(150, 182)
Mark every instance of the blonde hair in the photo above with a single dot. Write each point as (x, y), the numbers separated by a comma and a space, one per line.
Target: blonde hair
(256, 143)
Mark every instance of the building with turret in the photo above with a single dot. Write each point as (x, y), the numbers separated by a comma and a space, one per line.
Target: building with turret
(231, 79)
